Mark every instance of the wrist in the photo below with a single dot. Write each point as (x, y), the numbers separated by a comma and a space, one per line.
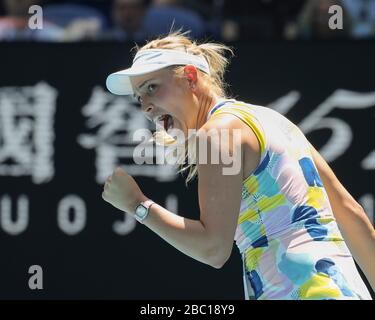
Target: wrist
(136, 203)
(142, 210)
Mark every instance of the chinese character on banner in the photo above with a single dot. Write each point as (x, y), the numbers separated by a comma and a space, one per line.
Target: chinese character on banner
(26, 132)
(112, 121)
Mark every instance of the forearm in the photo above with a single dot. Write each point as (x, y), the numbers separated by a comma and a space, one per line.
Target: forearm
(358, 233)
(187, 235)
(354, 225)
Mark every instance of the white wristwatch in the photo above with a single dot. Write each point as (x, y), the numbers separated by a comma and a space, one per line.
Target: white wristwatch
(142, 210)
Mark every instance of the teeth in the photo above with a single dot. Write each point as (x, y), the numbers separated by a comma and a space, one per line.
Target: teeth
(164, 120)
(158, 118)
(155, 119)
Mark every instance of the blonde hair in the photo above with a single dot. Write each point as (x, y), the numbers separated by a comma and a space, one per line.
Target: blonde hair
(214, 53)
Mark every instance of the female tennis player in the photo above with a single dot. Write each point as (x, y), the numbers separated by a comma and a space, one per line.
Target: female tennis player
(291, 218)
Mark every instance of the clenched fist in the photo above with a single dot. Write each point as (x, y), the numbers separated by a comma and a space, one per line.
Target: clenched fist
(121, 191)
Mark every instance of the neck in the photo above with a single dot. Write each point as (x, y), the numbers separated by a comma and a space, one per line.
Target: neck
(206, 103)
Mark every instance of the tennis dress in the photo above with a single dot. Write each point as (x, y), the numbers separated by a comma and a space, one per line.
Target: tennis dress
(288, 238)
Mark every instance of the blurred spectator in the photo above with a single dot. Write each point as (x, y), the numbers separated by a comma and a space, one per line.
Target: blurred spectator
(15, 24)
(162, 16)
(166, 2)
(139, 20)
(313, 21)
(80, 22)
(211, 11)
(228, 20)
(362, 14)
(128, 17)
(264, 19)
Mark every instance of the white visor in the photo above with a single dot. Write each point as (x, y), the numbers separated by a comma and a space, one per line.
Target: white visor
(150, 60)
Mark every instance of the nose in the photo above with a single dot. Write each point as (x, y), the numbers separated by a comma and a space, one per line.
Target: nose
(147, 108)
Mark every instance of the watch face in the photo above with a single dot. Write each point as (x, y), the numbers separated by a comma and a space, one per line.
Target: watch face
(141, 211)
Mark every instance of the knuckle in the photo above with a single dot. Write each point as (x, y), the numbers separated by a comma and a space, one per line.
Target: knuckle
(119, 172)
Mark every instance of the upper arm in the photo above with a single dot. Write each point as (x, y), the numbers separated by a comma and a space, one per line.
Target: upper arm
(220, 190)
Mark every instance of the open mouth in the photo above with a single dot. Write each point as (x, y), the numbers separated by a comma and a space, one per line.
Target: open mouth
(166, 121)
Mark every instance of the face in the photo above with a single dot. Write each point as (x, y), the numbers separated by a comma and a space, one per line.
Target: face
(167, 99)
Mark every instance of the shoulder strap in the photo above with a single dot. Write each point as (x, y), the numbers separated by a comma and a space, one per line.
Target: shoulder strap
(246, 113)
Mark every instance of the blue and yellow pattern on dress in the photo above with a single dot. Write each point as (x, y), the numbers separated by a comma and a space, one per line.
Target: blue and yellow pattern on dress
(286, 231)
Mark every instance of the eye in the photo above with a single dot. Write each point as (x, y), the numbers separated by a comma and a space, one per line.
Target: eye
(137, 98)
(151, 88)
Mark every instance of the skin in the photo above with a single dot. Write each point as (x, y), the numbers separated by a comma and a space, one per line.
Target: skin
(210, 239)
(355, 226)
(187, 99)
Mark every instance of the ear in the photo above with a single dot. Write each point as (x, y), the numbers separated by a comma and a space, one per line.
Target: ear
(191, 74)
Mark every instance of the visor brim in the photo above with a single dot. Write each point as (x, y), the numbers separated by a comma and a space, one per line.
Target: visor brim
(119, 82)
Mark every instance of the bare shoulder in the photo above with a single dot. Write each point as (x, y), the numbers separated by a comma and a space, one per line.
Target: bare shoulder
(240, 135)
